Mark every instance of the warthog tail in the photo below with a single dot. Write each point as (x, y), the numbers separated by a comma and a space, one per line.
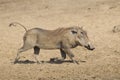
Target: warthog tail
(16, 23)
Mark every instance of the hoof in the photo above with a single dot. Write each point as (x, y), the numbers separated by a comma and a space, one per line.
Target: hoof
(76, 62)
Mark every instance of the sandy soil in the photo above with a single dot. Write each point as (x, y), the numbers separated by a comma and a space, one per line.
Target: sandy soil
(97, 16)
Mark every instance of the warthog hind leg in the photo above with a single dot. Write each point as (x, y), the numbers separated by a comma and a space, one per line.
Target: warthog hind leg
(22, 49)
(36, 53)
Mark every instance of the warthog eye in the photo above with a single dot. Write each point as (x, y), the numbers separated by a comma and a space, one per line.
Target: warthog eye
(82, 33)
(74, 32)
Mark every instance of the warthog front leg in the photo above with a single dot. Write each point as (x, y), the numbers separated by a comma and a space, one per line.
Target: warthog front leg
(63, 54)
(70, 54)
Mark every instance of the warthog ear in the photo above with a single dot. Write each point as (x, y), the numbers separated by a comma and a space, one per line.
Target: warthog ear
(81, 27)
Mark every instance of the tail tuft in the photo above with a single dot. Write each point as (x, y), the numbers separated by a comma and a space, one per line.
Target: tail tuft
(11, 24)
(16, 23)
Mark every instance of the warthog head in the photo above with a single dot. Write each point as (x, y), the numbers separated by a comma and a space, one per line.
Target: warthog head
(82, 38)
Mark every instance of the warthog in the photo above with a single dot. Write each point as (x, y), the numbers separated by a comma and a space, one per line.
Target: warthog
(62, 38)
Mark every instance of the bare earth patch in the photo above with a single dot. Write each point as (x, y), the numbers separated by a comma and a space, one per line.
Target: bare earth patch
(97, 16)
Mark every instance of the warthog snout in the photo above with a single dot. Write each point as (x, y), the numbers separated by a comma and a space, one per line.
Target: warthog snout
(83, 39)
(90, 47)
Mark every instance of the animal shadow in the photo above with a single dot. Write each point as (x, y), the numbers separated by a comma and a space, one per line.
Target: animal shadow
(24, 62)
(42, 62)
(59, 62)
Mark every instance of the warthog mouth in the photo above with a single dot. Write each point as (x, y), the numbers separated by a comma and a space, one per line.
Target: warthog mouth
(89, 47)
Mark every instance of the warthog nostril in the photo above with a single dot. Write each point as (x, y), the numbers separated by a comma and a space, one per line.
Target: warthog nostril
(92, 48)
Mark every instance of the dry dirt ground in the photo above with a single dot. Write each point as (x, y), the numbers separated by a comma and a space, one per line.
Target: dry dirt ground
(97, 16)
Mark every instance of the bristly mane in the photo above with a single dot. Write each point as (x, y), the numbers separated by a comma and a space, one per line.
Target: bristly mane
(61, 30)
